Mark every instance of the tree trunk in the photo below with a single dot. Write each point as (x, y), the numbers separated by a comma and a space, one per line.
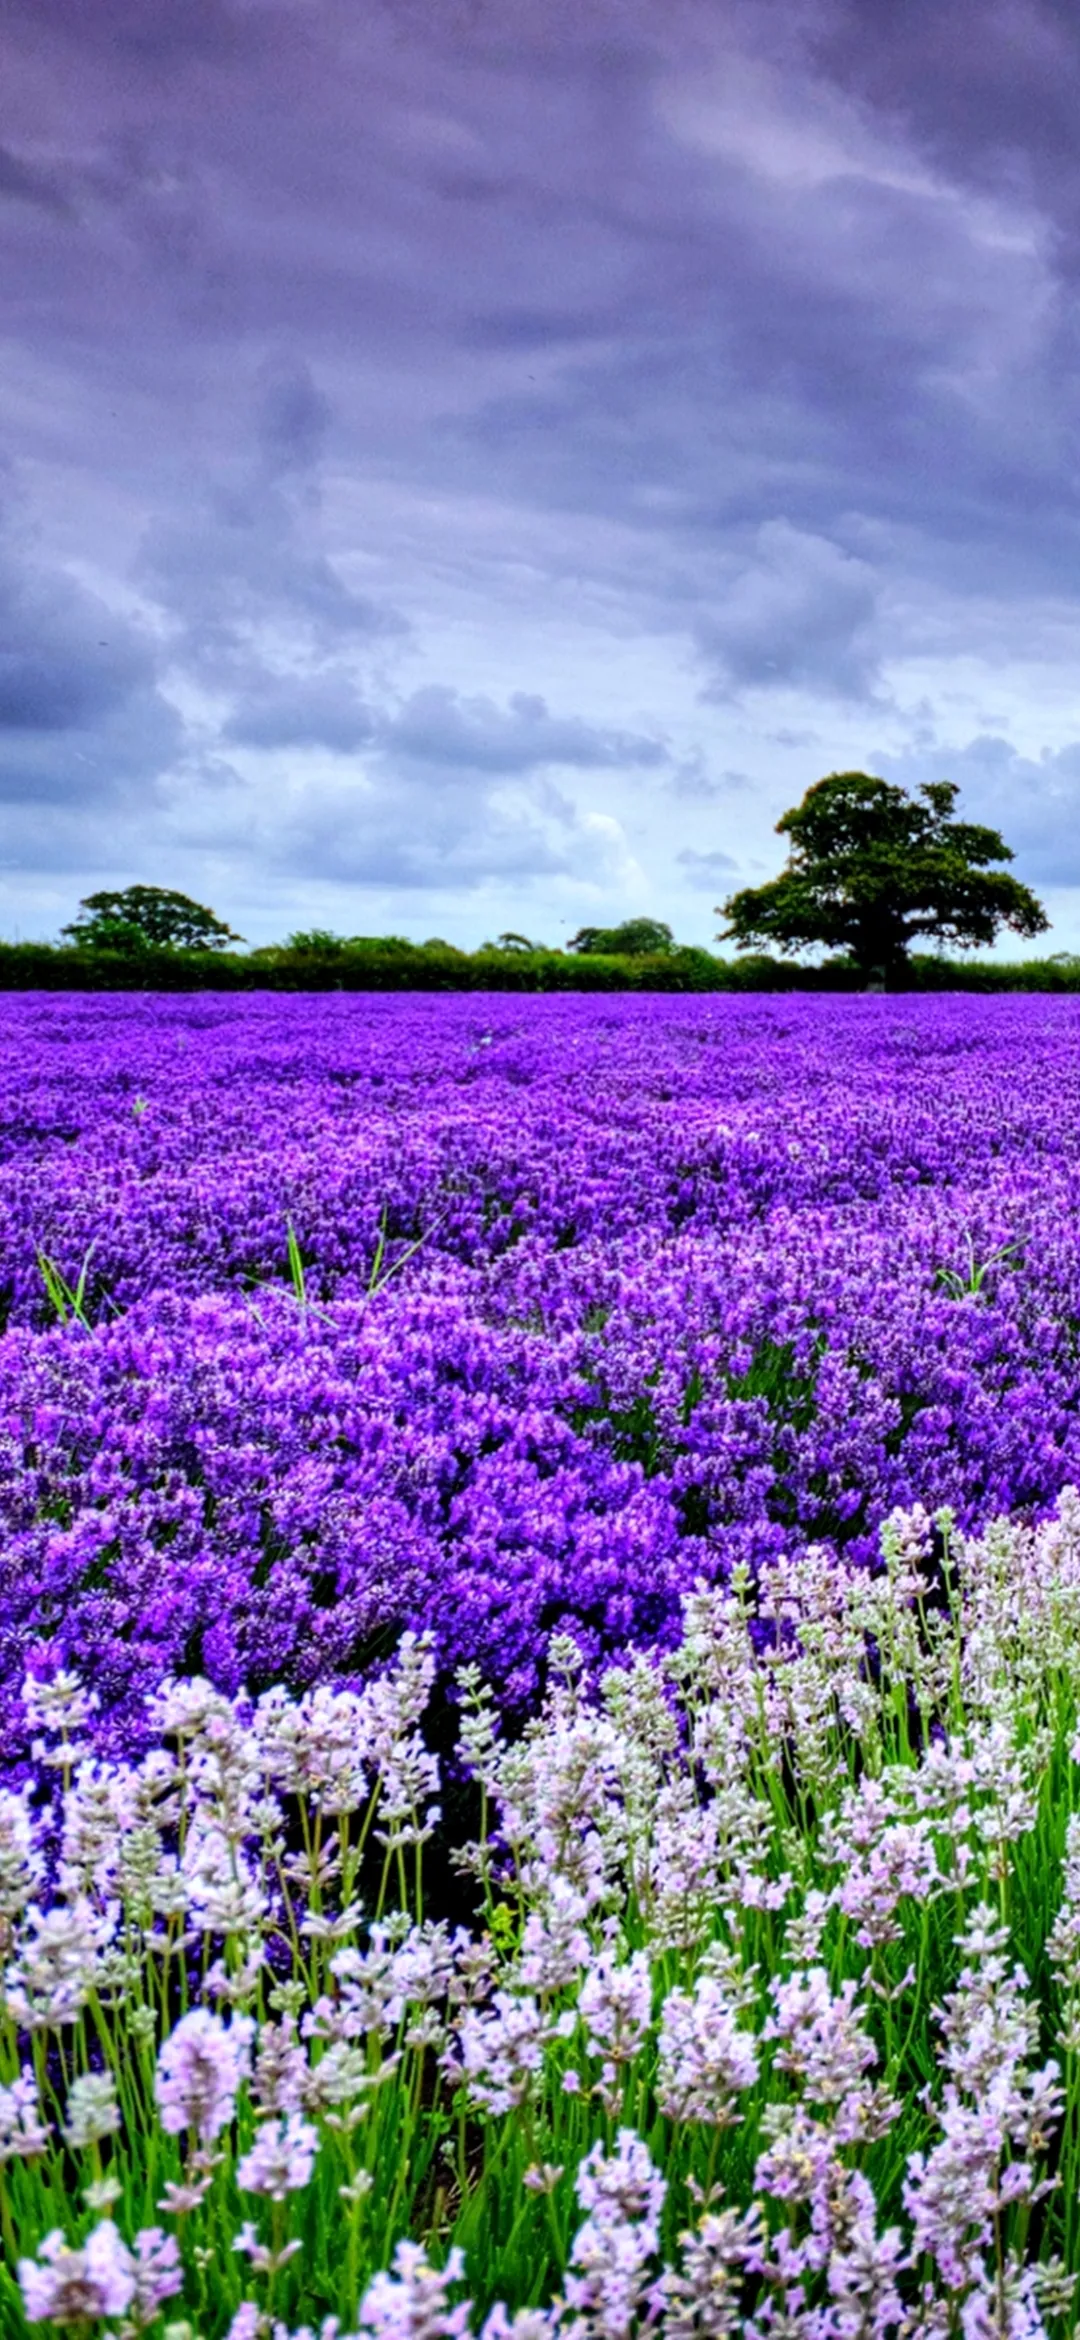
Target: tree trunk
(881, 955)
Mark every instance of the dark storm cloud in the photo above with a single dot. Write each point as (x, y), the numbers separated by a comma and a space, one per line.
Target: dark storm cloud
(997, 110)
(294, 416)
(437, 727)
(1033, 800)
(246, 558)
(762, 312)
(81, 717)
(801, 611)
(705, 868)
(306, 711)
(693, 780)
(435, 731)
(772, 339)
(21, 182)
(149, 32)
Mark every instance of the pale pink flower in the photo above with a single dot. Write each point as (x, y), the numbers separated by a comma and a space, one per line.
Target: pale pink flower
(281, 2159)
(554, 1944)
(820, 2039)
(527, 2324)
(158, 2272)
(903, 1864)
(199, 2070)
(264, 2260)
(501, 2050)
(705, 2059)
(281, 2068)
(67, 2286)
(247, 2323)
(702, 2300)
(950, 2193)
(412, 2302)
(61, 1708)
(615, 2003)
(606, 2286)
(800, 2159)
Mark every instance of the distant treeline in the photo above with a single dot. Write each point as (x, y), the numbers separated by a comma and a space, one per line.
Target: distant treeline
(392, 964)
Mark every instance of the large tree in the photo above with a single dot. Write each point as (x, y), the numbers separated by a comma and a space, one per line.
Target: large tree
(141, 918)
(636, 938)
(872, 869)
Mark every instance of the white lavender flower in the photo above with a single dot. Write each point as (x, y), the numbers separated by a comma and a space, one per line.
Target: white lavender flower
(61, 1709)
(23, 2133)
(58, 1963)
(21, 1861)
(92, 2110)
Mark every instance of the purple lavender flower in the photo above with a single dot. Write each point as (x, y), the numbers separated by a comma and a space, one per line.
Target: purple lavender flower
(647, 1287)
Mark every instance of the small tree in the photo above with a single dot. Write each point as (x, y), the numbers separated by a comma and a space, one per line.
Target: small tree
(319, 942)
(636, 938)
(870, 869)
(147, 918)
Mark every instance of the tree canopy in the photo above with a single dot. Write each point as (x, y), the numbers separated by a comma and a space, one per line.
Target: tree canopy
(871, 869)
(316, 942)
(147, 918)
(636, 938)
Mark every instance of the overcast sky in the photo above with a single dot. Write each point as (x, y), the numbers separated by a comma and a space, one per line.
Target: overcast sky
(470, 464)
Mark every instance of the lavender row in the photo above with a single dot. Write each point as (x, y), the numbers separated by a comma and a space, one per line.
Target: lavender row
(585, 1299)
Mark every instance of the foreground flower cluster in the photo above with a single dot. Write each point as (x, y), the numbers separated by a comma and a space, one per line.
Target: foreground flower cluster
(767, 2021)
(586, 1299)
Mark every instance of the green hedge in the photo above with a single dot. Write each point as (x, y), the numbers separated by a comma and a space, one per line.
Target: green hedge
(394, 965)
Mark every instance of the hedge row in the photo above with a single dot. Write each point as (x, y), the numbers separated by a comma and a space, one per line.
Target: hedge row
(394, 965)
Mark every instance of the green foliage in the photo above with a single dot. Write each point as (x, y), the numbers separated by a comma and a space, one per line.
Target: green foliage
(315, 942)
(110, 934)
(297, 1276)
(794, 1905)
(870, 869)
(391, 963)
(141, 918)
(67, 1301)
(771, 1375)
(966, 1283)
(636, 938)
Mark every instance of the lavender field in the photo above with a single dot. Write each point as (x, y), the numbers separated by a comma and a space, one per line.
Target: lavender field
(596, 1297)
(540, 1610)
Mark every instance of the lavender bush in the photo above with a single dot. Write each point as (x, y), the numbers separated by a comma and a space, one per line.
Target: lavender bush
(330, 1319)
(769, 2022)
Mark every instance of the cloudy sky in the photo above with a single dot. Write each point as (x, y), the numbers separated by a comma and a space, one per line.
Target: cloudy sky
(472, 463)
